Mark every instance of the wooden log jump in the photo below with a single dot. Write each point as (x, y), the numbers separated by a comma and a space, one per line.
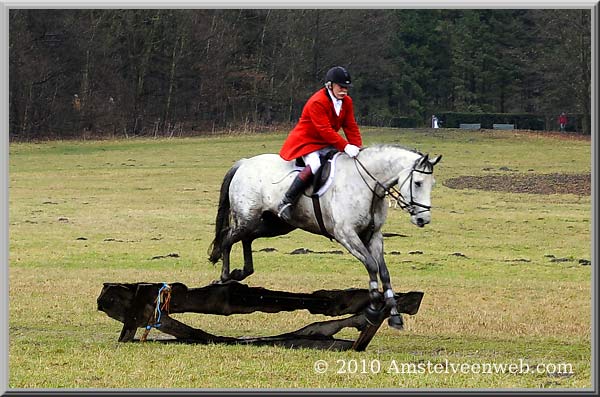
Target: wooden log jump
(136, 305)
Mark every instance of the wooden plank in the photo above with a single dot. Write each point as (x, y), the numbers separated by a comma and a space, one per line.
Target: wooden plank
(127, 334)
(301, 338)
(365, 337)
(133, 304)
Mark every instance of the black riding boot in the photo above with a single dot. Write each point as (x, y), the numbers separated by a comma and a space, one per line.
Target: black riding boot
(300, 183)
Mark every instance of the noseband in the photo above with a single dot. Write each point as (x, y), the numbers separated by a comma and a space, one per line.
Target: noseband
(408, 205)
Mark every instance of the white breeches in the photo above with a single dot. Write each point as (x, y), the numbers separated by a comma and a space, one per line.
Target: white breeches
(313, 159)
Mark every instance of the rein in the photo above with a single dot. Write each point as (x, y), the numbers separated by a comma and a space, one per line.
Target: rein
(406, 205)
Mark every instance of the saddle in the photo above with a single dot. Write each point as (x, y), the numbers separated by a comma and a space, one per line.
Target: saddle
(323, 177)
(321, 182)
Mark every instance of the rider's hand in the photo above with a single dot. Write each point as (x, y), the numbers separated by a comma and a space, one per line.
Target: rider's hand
(351, 150)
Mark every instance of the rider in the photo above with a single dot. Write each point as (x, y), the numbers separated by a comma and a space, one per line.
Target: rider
(325, 112)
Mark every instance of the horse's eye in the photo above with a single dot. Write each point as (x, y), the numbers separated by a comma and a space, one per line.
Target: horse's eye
(418, 184)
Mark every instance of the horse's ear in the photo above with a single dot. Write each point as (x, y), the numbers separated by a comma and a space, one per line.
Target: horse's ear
(424, 159)
(435, 160)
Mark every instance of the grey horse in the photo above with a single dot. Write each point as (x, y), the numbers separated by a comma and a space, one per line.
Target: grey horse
(354, 209)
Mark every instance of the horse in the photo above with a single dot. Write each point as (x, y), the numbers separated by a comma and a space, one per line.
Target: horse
(353, 210)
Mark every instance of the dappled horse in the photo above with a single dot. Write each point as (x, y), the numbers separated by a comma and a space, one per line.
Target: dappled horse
(353, 209)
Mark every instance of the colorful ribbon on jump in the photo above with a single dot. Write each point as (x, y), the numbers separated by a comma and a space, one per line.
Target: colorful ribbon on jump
(162, 303)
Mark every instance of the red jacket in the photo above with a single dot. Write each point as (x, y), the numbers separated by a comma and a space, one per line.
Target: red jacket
(319, 125)
(562, 119)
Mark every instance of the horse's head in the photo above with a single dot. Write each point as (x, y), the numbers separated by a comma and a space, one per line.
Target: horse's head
(415, 188)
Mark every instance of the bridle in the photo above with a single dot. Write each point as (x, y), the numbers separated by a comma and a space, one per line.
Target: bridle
(408, 205)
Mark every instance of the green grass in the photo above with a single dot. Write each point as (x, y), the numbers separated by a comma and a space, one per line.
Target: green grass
(84, 213)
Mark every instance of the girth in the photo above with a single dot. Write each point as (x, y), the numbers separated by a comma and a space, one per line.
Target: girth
(319, 215)
(319, 180)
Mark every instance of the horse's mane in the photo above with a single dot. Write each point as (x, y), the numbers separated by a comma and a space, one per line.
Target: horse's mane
(381, 146)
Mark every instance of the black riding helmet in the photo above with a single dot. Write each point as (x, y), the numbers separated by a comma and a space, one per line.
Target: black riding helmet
(339, 75)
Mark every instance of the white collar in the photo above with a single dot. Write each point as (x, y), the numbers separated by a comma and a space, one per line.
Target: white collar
(337, 103)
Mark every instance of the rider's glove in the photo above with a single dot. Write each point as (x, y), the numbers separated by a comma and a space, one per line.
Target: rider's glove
(351, 150)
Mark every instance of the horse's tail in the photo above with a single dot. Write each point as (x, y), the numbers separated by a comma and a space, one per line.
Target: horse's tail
(222, 225)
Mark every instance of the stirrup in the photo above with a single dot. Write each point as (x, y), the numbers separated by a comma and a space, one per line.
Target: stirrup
(282, 209)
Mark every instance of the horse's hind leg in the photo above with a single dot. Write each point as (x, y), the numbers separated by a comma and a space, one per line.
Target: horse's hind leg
(225, 274)
(240, 274)
(230, 240)
(269, 226)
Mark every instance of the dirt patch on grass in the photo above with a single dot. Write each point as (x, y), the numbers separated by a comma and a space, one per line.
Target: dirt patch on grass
(579, 184)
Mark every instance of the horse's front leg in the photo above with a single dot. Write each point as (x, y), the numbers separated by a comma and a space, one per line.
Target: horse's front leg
(375, 246)
(352, 242)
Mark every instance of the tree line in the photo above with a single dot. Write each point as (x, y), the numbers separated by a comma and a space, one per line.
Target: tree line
(171, 71)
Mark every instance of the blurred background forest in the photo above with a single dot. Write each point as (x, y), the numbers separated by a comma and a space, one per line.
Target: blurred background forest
(165, 72)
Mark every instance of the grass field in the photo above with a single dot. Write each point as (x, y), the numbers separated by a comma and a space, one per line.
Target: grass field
(85, 213)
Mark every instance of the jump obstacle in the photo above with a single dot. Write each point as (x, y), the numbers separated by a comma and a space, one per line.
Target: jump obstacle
(149, 305)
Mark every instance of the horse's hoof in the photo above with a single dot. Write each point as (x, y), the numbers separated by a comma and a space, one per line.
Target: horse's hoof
(373, 316)
(237, 275)
(396, 322)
